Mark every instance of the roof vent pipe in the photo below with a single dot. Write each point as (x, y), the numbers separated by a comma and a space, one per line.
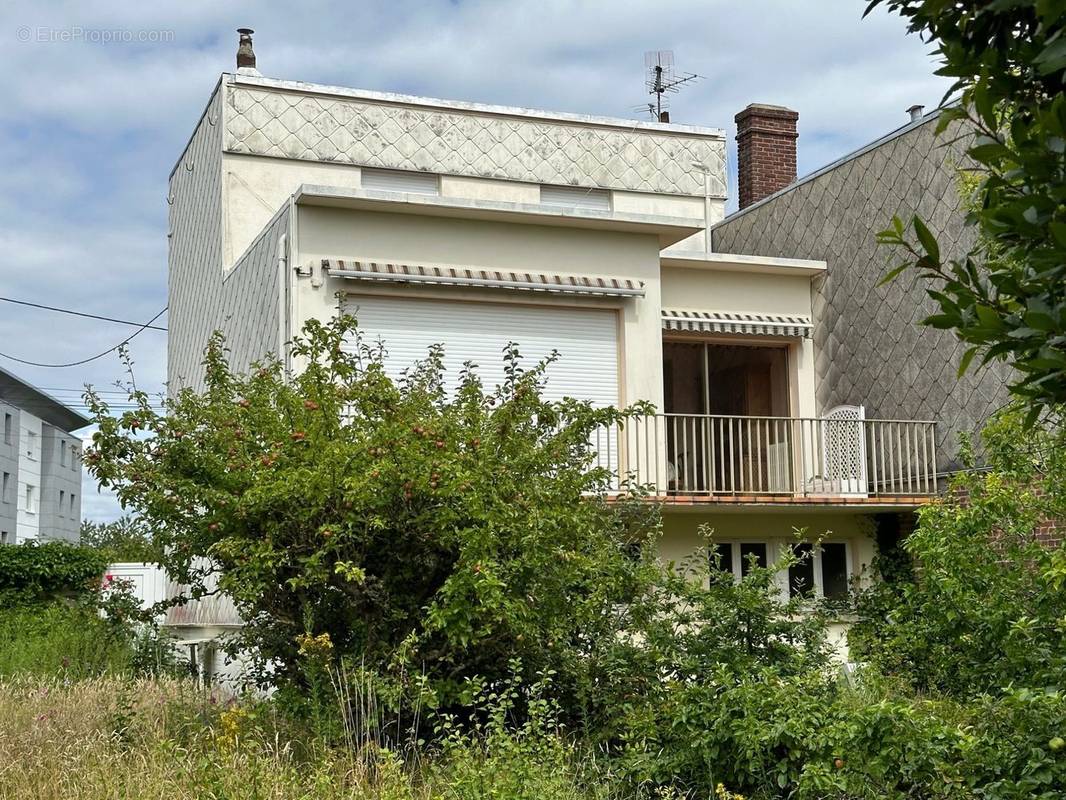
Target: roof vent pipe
(916, 111)
(245, 54)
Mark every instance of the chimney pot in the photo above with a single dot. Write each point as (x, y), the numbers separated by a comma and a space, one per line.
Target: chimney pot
(245, 54)
(916, 112)
(766, 151)
(664, 116)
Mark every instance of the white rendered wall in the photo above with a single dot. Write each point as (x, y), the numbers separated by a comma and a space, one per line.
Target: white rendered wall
(28, 521)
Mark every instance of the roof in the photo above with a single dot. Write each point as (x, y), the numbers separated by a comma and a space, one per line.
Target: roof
(910, 126)
(24, 396)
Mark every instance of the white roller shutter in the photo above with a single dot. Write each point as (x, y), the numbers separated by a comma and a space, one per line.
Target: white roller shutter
(396, 180)
(586, 339)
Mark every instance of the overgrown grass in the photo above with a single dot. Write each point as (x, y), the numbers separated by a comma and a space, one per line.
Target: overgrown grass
(61, 639)
(112, 737)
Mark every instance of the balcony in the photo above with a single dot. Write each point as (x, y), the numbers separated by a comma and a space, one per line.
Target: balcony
(841, 458)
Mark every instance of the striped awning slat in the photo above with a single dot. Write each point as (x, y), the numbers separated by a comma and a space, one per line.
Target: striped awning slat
(734, 322)
(491, 279)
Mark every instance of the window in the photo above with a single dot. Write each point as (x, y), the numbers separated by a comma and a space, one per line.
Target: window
(31, 445)
(834, 558)
(62, 501)
(62, 452)
(5, 487)
(749, 549)
(31, 499)
(576, 197)
(722, 557)
(3, 537)
(73, 503)
(801, 574)
(394, 180)
(74, 458)
(7, 428)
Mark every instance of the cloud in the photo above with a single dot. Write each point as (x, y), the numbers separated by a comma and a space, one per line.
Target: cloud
(90, 129)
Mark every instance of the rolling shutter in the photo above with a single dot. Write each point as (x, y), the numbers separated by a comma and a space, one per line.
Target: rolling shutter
(576, 197)
(586, 339)
(396, 180)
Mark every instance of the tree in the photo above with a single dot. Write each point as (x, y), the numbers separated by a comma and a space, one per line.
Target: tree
(410, 529)
(1007, 296)
(124, 539)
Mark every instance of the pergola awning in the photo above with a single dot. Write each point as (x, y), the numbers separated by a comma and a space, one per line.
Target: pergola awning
(483, 278)
(730, 322)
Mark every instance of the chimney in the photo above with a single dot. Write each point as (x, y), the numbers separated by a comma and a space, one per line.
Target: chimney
(245, 54)
(766, 151)
(916, 112)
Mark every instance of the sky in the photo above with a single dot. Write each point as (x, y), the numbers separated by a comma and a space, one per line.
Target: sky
(100, 98)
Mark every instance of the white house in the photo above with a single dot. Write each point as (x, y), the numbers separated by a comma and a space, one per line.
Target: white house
(475, 225)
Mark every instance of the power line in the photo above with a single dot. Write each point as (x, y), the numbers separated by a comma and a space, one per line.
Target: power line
(83, 314)
(91, 358)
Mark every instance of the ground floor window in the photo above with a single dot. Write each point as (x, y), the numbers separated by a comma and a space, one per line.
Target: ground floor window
(822, 572)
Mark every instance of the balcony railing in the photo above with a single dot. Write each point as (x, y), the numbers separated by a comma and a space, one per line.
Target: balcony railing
(707, 454)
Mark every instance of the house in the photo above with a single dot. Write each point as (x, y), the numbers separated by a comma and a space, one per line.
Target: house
(40, 465)
(475, 225)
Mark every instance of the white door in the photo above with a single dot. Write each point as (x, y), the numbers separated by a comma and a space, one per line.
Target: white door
(586, 339)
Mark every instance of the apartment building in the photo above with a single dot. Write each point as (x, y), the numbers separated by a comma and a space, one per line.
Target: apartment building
(40, 465)
(476, 225)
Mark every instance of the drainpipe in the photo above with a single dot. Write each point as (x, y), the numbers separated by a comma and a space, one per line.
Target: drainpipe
(701, 167)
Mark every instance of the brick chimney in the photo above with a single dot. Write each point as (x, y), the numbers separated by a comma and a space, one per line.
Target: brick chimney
(766, 151)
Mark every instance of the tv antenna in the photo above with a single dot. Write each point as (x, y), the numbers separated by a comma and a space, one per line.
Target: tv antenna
(661, 78)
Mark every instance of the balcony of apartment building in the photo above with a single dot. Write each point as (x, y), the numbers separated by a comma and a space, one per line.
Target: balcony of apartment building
(728, 433)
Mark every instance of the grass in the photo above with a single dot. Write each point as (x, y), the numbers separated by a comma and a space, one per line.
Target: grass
(114, 737)
(77, 723)
(60, 639)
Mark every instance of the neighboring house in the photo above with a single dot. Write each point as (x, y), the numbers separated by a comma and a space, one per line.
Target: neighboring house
(476, 225)
(40, 465)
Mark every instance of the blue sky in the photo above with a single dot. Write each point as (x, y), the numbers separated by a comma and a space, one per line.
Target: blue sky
(99, 99)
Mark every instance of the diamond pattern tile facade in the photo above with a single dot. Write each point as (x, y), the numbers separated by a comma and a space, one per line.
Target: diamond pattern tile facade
(243, 302)
(283, 124)
(870, 349)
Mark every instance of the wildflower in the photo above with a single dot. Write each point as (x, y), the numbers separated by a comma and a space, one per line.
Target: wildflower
(320, 646)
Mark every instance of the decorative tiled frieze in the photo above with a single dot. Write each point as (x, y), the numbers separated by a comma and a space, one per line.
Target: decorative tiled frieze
(271, 122)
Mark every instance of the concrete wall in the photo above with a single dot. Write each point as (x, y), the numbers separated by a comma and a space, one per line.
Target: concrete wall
(8, 467)
(705, 290)
(28, 523)
(870, 348)
(60, 512)
(341, 233)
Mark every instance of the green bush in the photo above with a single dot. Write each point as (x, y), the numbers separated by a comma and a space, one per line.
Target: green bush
(421, 531)
(33, 572)
(981, 605)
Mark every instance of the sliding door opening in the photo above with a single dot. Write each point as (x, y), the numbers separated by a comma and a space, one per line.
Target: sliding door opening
(727, 407)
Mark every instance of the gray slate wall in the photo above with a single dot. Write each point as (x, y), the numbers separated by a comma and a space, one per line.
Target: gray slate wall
(869, 347)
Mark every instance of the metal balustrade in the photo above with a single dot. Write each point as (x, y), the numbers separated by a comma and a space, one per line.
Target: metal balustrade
(709, 454)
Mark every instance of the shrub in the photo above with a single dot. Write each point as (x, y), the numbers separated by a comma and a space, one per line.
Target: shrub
(982, 606)
(34, 572)
(422, 531)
